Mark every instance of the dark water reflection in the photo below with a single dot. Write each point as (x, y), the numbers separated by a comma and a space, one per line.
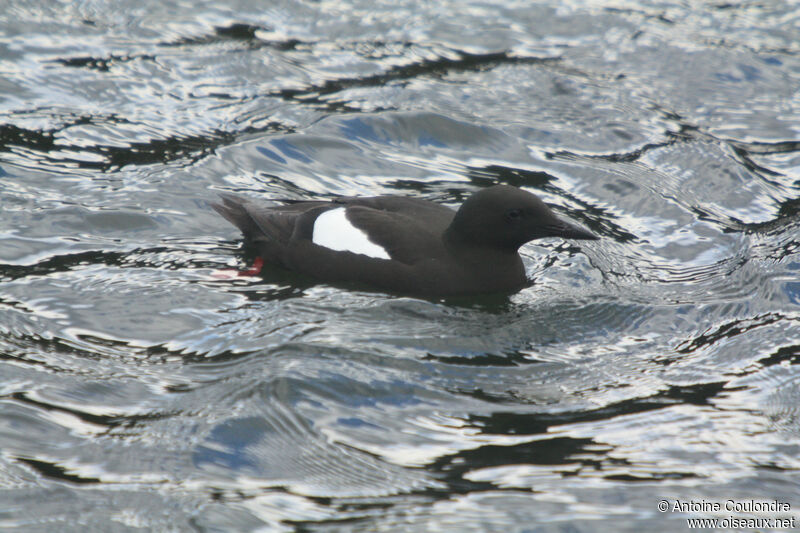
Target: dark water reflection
(140, 391)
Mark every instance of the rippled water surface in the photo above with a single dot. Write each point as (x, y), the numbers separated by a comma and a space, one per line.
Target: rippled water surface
(139, 391)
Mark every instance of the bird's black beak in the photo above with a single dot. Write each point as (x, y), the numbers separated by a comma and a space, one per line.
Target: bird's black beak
(568, 230)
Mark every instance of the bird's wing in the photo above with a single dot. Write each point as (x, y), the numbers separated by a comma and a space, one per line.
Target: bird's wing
(404, 237)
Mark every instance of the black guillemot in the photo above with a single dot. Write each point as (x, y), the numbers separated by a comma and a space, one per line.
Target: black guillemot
(402, 244)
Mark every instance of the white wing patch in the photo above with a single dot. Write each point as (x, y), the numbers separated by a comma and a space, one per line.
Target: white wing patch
(333, 230)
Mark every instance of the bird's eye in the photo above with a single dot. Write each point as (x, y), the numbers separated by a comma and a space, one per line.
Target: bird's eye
(513, 214)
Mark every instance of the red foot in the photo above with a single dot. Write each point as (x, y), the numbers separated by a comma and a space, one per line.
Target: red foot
(255, 270)
(230, 273)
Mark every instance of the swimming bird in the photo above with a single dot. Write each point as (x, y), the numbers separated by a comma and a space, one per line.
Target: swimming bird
(403, 244)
